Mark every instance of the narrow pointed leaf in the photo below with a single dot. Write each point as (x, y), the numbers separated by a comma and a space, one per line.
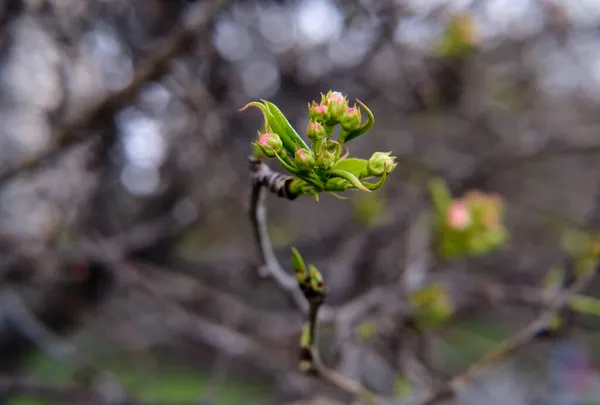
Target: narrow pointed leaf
(364, 127)
(351, 178)
(288, 167)
(299, 267)
(291, 139)
(440, 195)
(377, 185)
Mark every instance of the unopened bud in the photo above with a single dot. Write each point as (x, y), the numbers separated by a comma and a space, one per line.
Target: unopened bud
(270, 144)
(325, 160)
(351, 119)
(318, 112)
(381, 161)
(459, 217)
(337, 104)
(304, 159)
(315, 131)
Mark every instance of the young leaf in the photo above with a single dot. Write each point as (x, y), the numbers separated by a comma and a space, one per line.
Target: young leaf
(440, 195)
(281, 126)
(299, 266)
(351, 178)
(347, 137)
(357, 167)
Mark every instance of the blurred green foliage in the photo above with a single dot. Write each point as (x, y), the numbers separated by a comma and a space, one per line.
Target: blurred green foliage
(165, 385)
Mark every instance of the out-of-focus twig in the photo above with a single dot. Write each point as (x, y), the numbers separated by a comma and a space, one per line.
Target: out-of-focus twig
(180, 39)
(512, 343)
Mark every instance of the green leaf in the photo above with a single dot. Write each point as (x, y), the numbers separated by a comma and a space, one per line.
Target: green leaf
(585, 304)
(365, 330)
(290, 138)
(348, 136)
(336, 184)
(402, 388)
(275, 121)
(351, 178)
(554, 279)
(440, 194)
(433, 304)
(357, 167)
(299, 266)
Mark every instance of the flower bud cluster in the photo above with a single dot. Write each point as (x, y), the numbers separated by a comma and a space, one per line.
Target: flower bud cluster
(473, 224)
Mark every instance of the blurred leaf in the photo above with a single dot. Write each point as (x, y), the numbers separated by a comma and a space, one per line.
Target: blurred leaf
(402, 388)
(432, 303)
(440, 195)
(585, 304)
(365, 330)
(369, 209)
(554, 279)
(460, 36)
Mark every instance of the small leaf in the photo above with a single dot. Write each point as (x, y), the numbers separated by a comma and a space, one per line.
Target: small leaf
(351, 178)
(291, 139)
(299, 266)
(365, 330)
(347, 137)
(357, 167)
(554, 279)
(585, 304)
(402, 388)
(440, 194)
(433, 304)
(288, 167)
(375, 186)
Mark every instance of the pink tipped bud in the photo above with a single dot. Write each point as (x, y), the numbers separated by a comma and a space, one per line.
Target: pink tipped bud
(335, 97)
(270, 144)
(315, 131)
(337, 104)
(318, 112)
(459, 216)
(304, 159)
(351, 119)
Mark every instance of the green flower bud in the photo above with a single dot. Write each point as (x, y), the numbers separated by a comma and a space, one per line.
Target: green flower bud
(337, 105)
(304, 159)
(315, 131)
(270, 144)
(351, 119)
(325, 160)
(378, 161)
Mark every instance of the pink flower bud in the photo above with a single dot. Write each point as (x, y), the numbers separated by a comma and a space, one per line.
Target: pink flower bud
(351, 119)
(459, 216)
(337, 104)
(315, 131)
(335, 97)
(304, 159)
(318, 112)
(270, 143)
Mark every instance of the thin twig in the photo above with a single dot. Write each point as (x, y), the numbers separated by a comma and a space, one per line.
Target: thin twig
(262, 176)
(512, 343)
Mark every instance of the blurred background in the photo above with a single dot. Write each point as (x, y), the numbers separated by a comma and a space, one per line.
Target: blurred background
(128, 265)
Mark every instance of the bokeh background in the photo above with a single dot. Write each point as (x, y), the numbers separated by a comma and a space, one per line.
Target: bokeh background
(122, 143)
